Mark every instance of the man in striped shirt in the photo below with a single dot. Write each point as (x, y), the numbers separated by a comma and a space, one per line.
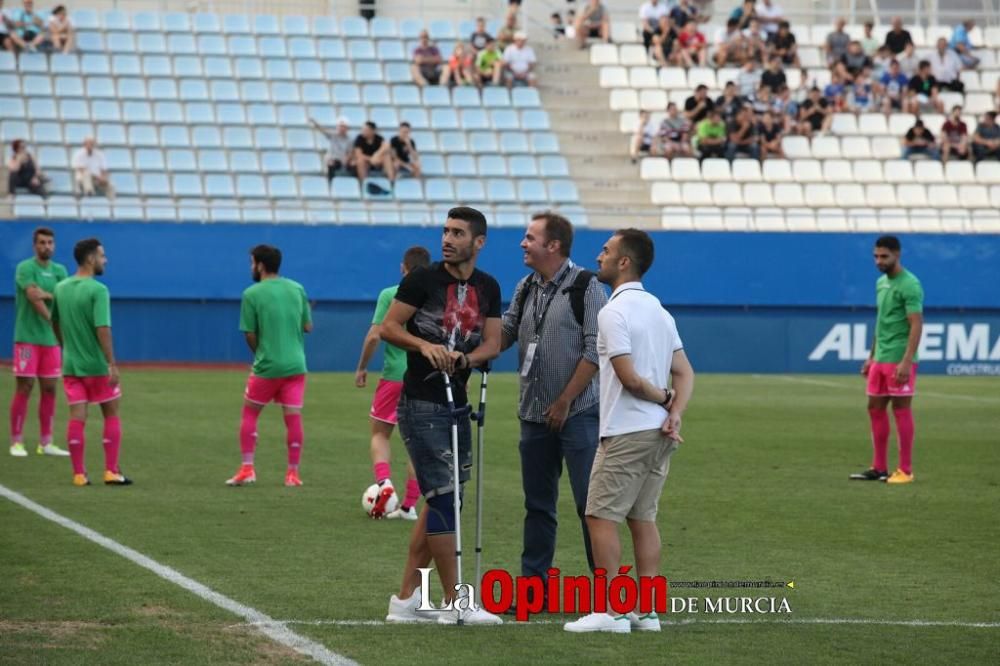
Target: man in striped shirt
(553, 318)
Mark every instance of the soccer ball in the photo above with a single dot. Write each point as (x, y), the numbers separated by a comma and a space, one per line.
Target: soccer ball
(371, 496)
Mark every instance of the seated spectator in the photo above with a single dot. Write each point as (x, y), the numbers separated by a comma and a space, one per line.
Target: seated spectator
(730, 45)
(650, 13)
(919, 142)
(29, 26)
(898, 39)
(880, 63)
(774, 76)
(728, 103)
(786, 110)
(341, 150)
(691, 47)
(781, 45)
(962, 45)
(90, 172)
(519, 62)
(954, 137)
(748, 80)
(710, 136)
(908, 61)
(426, 67)
(697, 106)
(815, 114)
(489, 64)
(557, 26)
(480, 37)
(986, 138)
(762, 102)
(593, 21)
(571, 23)
(22, 173)
(644, 136)
(769, 135)
(505, 36)
(836, 43)
(869, 44)
(893, 86)
(852, 62)
(861, 97)
(742, 14)
(922, 92)
(756, 40)
(460, 69)
(770, 15)
(664, 42)
(835, 91)
(743, 136)
(673, 138)
(406, 160)
(946, 67)
(683, 13)
(9, 39)
(61, 31)
(371, 151)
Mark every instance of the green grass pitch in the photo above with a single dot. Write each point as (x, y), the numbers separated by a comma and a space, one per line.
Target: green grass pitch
(759, 491)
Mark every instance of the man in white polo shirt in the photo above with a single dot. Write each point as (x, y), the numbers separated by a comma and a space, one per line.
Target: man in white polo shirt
(90, 171)
(519, 61)
(637, 347)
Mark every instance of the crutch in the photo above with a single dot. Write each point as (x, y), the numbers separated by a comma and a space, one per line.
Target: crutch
(480, 418)
(456, 475)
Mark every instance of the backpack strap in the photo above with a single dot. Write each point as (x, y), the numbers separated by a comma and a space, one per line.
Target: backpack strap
(577, 291)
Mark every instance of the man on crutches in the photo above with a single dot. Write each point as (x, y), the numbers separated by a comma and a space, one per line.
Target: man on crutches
(447, 318)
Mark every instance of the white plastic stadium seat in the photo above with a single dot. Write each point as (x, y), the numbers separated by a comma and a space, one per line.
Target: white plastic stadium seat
(872, 124)
(676, 218)
(925, 220)
(800, 219)
(746, 171)
(623, 32)
(807, 171)
(958, 173)
(820, 195)
(841, 171)
(894, 219)
(900, 123)
(655, 168)
(778, 171)
(880, 195)
(789, 195)
(831, 219)
(613, 77)
(652, 100)
(632, 54)
(795, 147)
(667, 194)
(844, 124)
(686, 169)
(769, 219)
(856, 147)
(628, 121)
(928, 171)
(974, 196)
(850, 195)
(913, 195)
(884, 148)
(623, 99)
(702, 76)
(986, 222)
(757, 195)
(737, 218)
(697, 194)
(727, 195)
(603, 54)
(643, 77)
(943, 196)
(988, 172)
(716, 170)
(708, 218)
(673, 78)
(897, 171)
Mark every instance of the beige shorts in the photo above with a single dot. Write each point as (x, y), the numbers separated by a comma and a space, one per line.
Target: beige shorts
(628, 474)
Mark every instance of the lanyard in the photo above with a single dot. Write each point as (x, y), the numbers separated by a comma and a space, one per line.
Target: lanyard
(623, 291)
(540, 321)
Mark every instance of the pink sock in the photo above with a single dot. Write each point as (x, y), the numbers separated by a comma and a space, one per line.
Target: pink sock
(382, 471)
(112, 443)
(412, 493)
(904, 431)
(880, 438)
(248, 434)
(46, 414)
(295, 439)
(74, 441)
(18, 412)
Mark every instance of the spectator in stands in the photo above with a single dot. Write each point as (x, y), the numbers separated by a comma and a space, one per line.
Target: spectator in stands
(869, 43)
(683, 13)
(29, 26)
(908, 61)
(730, 45)
(371, 151)
(836, 43)
(781, 45)
(664, 43)
(480, 37)
(697, 106)
(729, 102)
(691, 47)
(519, 62)
(962, 45)
(774, 76)
(769, 133)
(426, 66)
(763, 101)
(673, 138)
(742, 14)
(986, 139)
(557, 26)
(7, 34)
(460, 69)
(852, 62)
(946, 67)
(710, 134)
(893, 86)
(786, 109)
(748, 80)
(756, 40)
(743, 136)
(90, 171)
(650, 13)
(489, 64)
(644, 136)
(922, 92)
(861, 97)
(770, 15)
(61, 31)
(815, 114)
(954, 137)
(880, 63)
(593, 21)
(505, 36)
(405, 158)
(919, 142)
(22, 172)
(897, 39)
(339, 153)
(570, 23)
(835, 91)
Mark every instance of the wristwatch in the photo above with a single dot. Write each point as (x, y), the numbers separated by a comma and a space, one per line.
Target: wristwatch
(670, 396)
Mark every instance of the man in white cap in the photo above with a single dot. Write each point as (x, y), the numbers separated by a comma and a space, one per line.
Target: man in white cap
(519, 61)
(341, 146)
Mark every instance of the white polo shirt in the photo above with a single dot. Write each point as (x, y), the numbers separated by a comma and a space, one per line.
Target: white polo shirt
(94, 162)
(650, 14)
(519, 59)
(635, 323)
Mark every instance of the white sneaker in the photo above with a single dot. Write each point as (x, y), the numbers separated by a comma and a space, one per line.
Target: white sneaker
(616, 624)
(50, 450)
(478, 616)
(17, 450)
(402, 514)
(647, 622)
(404, 611)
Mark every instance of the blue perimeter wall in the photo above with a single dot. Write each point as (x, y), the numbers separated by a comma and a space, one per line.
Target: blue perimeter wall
(757, 302)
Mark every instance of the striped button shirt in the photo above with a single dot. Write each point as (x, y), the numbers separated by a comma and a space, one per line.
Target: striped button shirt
(548, 320)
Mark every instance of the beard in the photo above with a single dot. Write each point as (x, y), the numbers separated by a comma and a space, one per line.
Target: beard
(98, 270)
(458, 256)
(255, 274)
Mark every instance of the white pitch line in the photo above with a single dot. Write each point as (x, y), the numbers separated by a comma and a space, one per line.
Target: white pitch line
(860, 389)
(815, 620)
(277, 631)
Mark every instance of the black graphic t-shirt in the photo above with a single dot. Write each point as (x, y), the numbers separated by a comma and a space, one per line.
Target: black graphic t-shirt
(450, 313)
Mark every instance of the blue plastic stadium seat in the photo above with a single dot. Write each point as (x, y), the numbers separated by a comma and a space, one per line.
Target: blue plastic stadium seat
(426, 140)
(237, 137)
(95, 209)
(268, 138)
(553, 166)
(292, 115)
(260, 114)
(409, 189)
(338, 71)
(249, 68)
(101, 87)
(433, 164)
(199, 113)
(495, 97)
(325, 26)
(483, 142)
(213, 161)
(346, 188)
(266, 24)
(406, 95)
(157, 65)
(85, 19)
(544, 143)
(206, 136)
(346, 93)
(67, 86)
(187, 185)
(316, 93)
(272, 47)
(45, 131)
(154, 185)
(510, 218)
(143, 135)
(492, 165)
(302, 48)
(219, 186)
(453, 142)
(354, 26)
(120, 42)
(523, 166)
(126, 65)
(361, 49)
(73, 109)
(295, 25)
(368, 72)
(383, 28)
(417, 117)
(35, 85)
(444, 119)
(176, 22)
(300, 139)
(514, 142)
(182, 44)
(469, 190)
(410, 28)
(174, 136)
(324, 114)
(182, 159)
(219, 68)
(231, 113)
(442, 30)
(188, 66)
(62, 63)
(466, 97)
(8, 63)
(535, 119)
(162, 89)
(206, 23)
(526, 98)
(460, 166)
(116, 20)
(439, 189)
(53, 157)
(111, 134)
(147, 22)
(398, 72)
(390, 49)
(90, 42)
(505, 119)
(314, 187)
(501, 190)
(194, 90)
(436, 96)
(309, 70)
(475, 119)
(532, 191)
(332, 49)
(225, 211)
(244, 161)
(224, 90)
(33, 63)
(563, 191)
(118, 159)
(282, 186)
(278, 68)
(152, 44)
(137, 112)
(375, 94)
(11, 84)
(356, 115)
(384, 116)
(212, 45)
(254, 91)
(305, 162)
(93, 64)
(12, 107)
(102, 111)
(285, 91)
(17, 129)
(242, 45)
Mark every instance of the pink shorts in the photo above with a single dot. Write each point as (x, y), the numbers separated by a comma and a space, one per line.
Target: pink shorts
(90, 389)
(285, 391)
(385, 401)
(37, 360)
(882, 381)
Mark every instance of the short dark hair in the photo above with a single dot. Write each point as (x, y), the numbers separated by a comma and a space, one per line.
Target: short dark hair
(370, 124)
(416, 257)
(84, 249)
(268, 255)
(60, 9)
(890, 243)
(701, 86)
(476, 220)
(923, 64)
(637, 246)
(405, 124)
(557, 228)
(42, 231)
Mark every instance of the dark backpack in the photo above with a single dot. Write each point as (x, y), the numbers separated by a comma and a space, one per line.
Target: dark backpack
(576, 292)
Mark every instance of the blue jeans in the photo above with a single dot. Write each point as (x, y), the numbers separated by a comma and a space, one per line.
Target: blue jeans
(542, 454)
(426, 430)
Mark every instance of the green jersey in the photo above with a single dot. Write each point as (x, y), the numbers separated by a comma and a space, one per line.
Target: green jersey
(82, 304)
(485, 60)
(393, 358)
(276, 310)
(897, 297)
(29, 326)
